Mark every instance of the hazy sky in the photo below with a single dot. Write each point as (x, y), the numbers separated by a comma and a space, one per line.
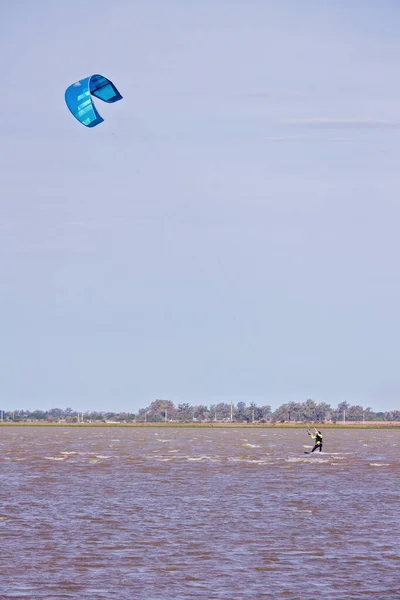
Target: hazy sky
(230, 231)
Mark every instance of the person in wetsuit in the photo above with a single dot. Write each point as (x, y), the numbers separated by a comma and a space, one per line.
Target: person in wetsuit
(318, 440)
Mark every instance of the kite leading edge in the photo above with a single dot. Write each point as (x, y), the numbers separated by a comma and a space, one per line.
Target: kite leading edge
(79, 98)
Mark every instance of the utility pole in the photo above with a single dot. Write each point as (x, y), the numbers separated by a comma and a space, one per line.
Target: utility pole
(344, 416)
(231, 412)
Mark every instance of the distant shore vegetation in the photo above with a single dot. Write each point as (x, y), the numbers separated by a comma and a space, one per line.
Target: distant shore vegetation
(165, 411)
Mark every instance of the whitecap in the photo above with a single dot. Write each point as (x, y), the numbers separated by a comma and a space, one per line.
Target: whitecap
(250, 446)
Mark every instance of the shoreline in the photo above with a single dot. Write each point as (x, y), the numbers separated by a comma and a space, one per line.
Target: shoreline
(351, 425)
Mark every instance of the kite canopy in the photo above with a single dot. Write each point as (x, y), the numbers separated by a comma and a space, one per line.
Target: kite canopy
(80, 103)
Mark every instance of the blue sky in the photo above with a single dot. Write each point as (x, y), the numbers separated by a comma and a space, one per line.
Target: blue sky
(230, 231)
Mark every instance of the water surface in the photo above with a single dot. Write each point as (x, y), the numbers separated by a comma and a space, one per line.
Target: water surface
(176, 514)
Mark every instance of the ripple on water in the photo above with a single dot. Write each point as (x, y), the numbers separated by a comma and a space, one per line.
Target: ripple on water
(205, 515)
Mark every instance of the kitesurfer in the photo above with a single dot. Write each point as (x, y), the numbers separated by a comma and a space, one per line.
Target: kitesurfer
(318, 440)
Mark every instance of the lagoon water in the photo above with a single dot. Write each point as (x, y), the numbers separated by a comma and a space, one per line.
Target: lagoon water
(178, 514)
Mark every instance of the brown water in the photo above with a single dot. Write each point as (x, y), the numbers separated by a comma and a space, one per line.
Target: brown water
(176, 514)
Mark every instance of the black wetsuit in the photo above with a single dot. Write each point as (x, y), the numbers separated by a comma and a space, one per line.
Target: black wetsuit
(318, 442)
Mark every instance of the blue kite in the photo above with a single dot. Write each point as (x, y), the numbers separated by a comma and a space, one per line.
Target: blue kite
(79, 98)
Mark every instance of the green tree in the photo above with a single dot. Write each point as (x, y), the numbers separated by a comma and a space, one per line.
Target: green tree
(322, 412)
(241, 413)
(281, 413)
(185, 412)
(38, 415)
(201, 412)
(342, 410)
(264, 412)
(355, 413)
(159, 410)
(369, 415)
(308, 411)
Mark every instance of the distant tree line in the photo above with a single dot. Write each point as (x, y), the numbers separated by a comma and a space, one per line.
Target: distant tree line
(165, 411)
